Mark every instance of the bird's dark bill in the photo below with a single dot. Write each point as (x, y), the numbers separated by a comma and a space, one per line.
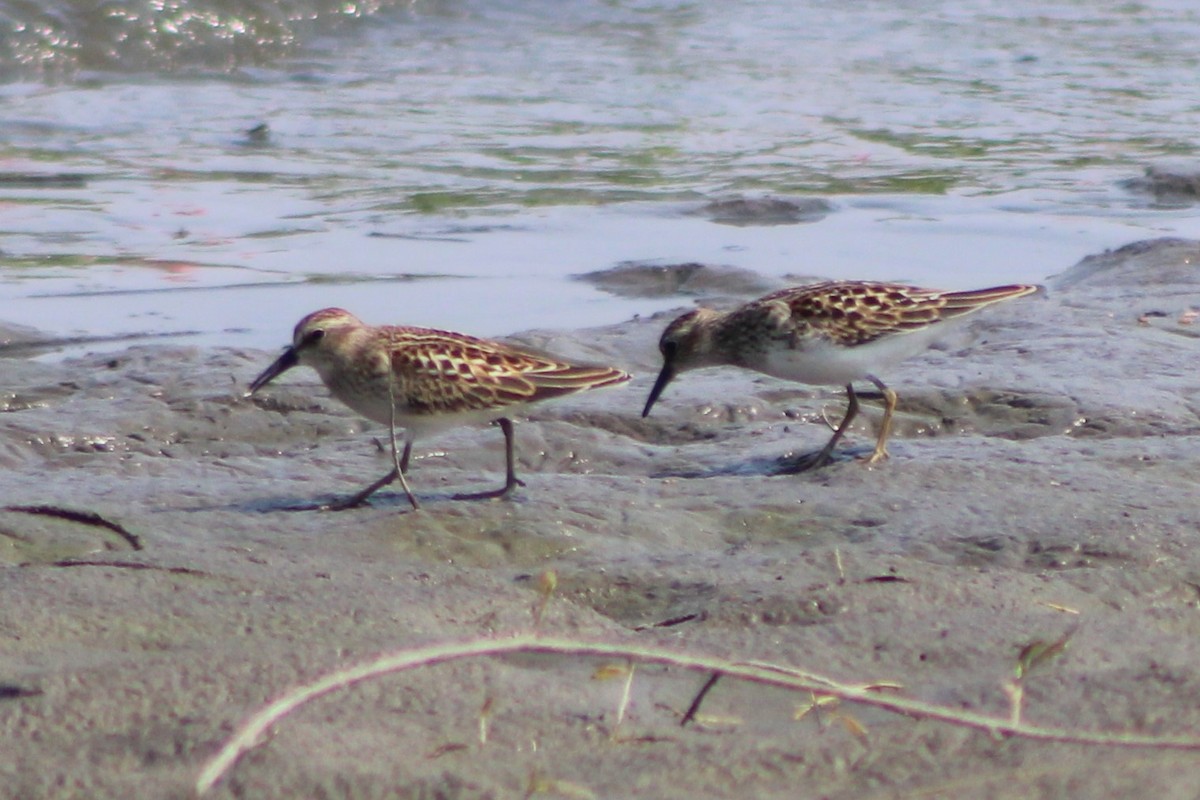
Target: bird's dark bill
(282, 364)
(664, 377)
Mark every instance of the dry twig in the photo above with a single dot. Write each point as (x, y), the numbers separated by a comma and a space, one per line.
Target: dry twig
(253, 730)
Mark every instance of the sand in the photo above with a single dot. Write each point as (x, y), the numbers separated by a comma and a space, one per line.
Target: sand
(1043, 483)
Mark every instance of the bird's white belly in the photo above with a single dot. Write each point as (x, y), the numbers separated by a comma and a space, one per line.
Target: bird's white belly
(822, 363)
(375, 406)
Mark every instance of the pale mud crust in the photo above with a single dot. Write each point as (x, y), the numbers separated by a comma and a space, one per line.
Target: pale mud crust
(1044, 480)
(652, 279)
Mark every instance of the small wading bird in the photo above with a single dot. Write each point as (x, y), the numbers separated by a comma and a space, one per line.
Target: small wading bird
(831, 333)
(426, 381)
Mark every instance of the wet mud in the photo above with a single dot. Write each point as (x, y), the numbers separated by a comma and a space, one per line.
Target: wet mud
(1043, 482)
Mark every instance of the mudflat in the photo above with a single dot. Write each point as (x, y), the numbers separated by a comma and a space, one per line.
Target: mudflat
(158, 586)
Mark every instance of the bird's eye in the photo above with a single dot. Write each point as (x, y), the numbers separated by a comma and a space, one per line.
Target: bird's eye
(313, 337)
(668, 349)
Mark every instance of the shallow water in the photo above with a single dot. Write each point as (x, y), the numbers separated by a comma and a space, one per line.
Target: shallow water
(454, 163)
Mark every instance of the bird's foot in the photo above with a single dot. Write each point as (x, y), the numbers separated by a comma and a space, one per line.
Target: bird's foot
(806, 462)
(503, 491)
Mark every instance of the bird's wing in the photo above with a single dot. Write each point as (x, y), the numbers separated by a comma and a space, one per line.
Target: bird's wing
(439, 371)
(853, 313)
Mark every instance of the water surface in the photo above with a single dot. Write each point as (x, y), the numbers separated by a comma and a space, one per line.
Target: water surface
(454, 163)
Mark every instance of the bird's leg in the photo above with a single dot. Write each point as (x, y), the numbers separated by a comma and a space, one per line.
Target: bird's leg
(399, 467)
(885, 427)
(511, 481)
(826, 454)
(822, 458)
(361, 497)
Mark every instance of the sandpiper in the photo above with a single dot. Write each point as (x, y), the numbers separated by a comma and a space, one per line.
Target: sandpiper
(426, 381)
(830, 333)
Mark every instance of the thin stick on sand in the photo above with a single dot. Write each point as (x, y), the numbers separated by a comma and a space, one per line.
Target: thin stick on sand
(252, 731)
